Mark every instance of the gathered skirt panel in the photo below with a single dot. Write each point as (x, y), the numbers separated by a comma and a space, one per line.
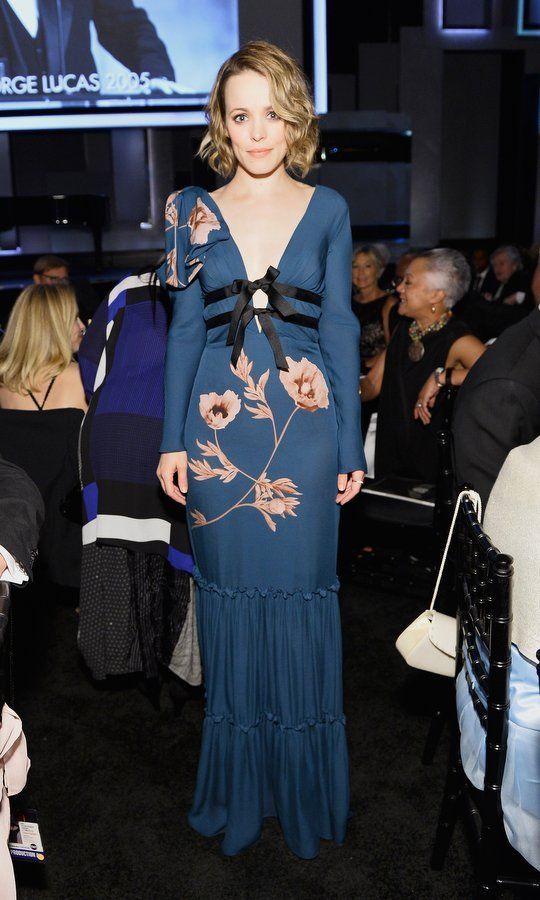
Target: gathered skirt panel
(273, 739)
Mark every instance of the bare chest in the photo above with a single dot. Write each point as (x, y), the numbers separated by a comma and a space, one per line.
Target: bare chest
(262, 234)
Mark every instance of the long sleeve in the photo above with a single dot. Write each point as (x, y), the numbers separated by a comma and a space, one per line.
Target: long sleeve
(187, 331)
(14, 573)
(339, 335)
(185, 343)
(21, 514)
(91, 348)
(481, 445)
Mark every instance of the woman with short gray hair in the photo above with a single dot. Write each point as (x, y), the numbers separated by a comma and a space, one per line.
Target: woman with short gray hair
(429, 349)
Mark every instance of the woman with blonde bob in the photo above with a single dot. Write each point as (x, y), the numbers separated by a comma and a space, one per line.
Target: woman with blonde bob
(262, 440)
(41, 408)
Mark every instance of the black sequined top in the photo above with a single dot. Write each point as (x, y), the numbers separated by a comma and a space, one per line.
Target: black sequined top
(372, 340)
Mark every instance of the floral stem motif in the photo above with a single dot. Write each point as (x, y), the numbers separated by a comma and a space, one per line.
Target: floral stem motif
(305, 384)
(259, 502)
(255, 392)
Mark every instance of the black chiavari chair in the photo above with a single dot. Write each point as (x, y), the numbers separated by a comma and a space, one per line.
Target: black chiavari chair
(484, 578)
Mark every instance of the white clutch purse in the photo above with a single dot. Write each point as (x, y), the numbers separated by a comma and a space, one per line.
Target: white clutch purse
(429, 642)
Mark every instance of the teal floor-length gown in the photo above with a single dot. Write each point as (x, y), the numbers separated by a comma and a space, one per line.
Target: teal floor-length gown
(269, 414)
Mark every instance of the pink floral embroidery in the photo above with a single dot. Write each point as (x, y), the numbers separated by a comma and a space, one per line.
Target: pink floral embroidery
(271, 497)
(219, 410)
(171, 211)
(172, 273)
(201, 222)
(304, 382)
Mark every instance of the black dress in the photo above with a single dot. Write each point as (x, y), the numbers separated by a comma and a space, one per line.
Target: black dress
(372, 342)
(372, 339)
(405, 446)
(44, 443)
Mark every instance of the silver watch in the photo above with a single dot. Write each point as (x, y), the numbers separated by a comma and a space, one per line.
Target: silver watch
(439, 371)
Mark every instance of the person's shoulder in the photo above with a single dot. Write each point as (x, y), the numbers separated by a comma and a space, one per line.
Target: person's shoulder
(459, 329)
(71, 373)
(513, 485)
(73, 389)
(516, 348)
(185, 197)
(333, 200)
(526, 459)
(130, 282)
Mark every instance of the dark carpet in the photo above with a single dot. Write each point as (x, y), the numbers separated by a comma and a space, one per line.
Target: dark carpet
(112, 778)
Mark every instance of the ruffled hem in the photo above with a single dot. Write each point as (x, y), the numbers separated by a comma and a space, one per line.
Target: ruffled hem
(274, 740)
(324, 719)
(251, 592)
(300, 778)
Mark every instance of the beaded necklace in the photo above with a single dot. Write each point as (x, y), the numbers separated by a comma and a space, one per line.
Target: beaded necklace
(416, 348)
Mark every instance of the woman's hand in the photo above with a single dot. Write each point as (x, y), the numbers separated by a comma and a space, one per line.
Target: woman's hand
(426, 400)
(169, 464)
(349, 486)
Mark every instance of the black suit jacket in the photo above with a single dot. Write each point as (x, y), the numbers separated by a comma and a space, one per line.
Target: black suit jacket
(489, 284)
(21, 514)
(123, 29)
(498, 405)
(518, 281)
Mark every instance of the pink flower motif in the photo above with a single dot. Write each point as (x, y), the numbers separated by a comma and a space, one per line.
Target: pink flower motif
(171, 211)
(279, 506)
(218, 410)
(201, 222)
(305, 383)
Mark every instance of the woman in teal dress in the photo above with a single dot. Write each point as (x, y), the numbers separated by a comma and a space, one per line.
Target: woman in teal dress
(262, 431)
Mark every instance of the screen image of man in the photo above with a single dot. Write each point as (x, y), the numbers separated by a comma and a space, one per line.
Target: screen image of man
(50, 39)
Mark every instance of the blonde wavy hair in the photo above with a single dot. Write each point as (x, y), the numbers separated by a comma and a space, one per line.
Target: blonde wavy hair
(37, 342)
(291, 98)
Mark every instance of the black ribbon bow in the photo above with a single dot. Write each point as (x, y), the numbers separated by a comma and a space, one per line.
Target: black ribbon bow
(244, 312)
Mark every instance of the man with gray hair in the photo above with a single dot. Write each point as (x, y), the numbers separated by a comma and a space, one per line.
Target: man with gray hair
(514, 284)
(429, 348)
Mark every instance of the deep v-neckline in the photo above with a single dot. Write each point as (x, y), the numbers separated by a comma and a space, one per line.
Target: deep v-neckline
(287, 245)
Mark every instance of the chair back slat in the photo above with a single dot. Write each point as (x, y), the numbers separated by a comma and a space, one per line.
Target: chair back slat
(485, 617)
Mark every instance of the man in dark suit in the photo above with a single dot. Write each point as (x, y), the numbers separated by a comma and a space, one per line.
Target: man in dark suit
(499, 297)
(498, 405)
(21, 516)
(53, 37)
(483, 280)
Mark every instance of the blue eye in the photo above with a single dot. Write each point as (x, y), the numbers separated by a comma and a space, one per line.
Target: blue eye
(239, 116)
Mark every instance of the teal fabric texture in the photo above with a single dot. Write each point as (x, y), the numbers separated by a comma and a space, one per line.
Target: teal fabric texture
(265, 446)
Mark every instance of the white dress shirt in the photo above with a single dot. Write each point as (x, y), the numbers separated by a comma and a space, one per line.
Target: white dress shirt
(479, 280)
(14, 573)
(28, 14)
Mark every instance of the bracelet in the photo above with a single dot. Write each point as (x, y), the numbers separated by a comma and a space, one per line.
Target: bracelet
(437, 373)
(448, 376)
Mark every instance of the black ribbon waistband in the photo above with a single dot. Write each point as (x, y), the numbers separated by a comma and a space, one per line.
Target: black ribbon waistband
(244, 311)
